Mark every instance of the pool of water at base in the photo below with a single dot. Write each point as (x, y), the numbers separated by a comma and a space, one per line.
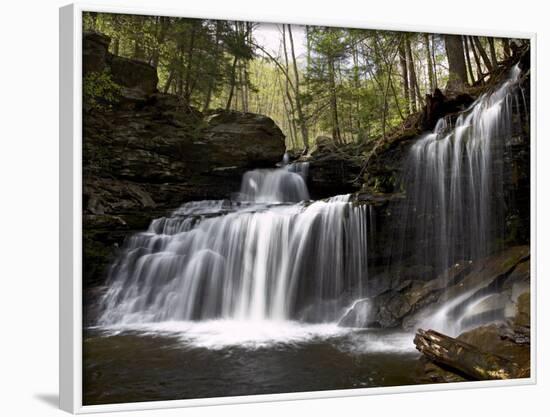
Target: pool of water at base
(151, 365)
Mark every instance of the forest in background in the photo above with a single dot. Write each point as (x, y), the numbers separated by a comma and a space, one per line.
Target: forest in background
(352, 85)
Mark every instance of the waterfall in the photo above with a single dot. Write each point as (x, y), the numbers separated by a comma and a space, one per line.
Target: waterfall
(454, 183)
(267, 254)
(454, 205)
(270, 254)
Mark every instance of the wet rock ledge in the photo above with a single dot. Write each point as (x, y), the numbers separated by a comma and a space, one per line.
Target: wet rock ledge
(494, 351)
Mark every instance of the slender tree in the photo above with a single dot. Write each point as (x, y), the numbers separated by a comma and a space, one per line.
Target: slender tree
(457, 67)
(301, 117)
(468, 60)
(476, 59)
(483, 53)
(493, 51)
(429, 62)
(416, 98)
(434, 62)
(404, 73)
(506, 47)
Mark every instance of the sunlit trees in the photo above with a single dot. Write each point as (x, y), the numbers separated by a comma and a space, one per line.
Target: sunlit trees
(352, 85)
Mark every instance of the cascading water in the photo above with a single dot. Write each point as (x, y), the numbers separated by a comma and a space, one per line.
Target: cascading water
(453, 179)
(284, 185)
(268, 254)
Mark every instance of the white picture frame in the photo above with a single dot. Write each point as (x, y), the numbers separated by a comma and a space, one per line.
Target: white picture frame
(70, 153)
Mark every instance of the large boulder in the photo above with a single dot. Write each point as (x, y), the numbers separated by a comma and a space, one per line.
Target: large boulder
(95, 53)
(134, 75)
(333, 168)
(243, 139)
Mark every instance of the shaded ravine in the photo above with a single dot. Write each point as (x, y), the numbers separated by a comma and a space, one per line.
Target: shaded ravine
(258, 284)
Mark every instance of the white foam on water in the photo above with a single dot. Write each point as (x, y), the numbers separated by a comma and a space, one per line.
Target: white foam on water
(374, 341)
(221, 334)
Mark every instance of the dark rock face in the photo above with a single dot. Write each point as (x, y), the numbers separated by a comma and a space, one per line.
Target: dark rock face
(95, 54)
(152, 152)
(137, 79)
(134, 75)
(332, 169)
(439, 105)
(404, 303)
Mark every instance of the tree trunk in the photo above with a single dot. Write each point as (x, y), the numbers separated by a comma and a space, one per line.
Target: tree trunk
(404, 74)
(333, 102)
(457, 67)
(463, 357)
(493, 51)
(429, 62)
(162, 28)
(215, 66)
(476, 59)
(245, 86)
(482, 53)
(506, 47)
(301, 118)
(189, 68)
(468, 60)
(289, 113)
(434, 61)
(291, 101)
(169, 80)
(357, 86)
(179, 85)
(394, 92)
(414, 91)
(138, 53)
(116, 40)
(232, 84)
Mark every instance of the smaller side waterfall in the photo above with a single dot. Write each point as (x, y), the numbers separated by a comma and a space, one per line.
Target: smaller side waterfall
(454, 205)
(454, 180)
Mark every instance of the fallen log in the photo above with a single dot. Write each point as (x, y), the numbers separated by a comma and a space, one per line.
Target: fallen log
(464, 358)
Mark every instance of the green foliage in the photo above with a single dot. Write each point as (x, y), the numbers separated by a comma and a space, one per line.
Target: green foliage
(349, 86)
(195, 58)
(99, 91)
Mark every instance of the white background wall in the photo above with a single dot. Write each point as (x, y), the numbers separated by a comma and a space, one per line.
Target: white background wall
(29, 203)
